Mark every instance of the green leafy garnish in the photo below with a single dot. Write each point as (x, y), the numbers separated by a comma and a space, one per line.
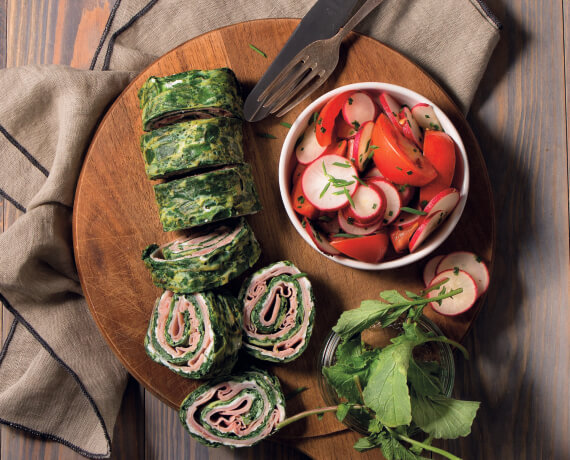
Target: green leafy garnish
(413, 211)
(257, 50)
(284, 123)
(266, 135)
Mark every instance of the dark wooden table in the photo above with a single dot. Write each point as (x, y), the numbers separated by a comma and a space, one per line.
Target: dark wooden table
(520, 365)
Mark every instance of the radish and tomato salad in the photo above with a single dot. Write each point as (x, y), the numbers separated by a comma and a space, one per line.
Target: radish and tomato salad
(372, 174)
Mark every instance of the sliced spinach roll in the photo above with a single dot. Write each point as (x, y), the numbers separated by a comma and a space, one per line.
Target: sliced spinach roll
(206, 197)
(278, 312)
(195, 335)
(205, 259)
(192, 145)
(237, 411)
(189, 95)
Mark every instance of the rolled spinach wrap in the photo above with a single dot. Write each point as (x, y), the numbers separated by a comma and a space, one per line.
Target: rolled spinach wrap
(205, 259)
(206, 197)
(192, 145)
(195, 335)
(190, 95)
(278, 312)
(237, 411)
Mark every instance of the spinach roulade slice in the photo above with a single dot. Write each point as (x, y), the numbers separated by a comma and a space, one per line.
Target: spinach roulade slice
(207, 197)
(192, 145)
(190, 95)
(235, 411)
(278, 312)
(205, 259)
(195, 335)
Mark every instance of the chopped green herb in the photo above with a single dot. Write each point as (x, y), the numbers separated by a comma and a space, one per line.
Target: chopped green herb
(409, 173)
(346, 192)
(375, 205)
(323, 130)
(413, 211)
(478, 259)
(325, 188)
(325, 218)
(341, 165)
(356, 125)
(301, 199)
(346, 235)
(313, 118)
(426, 115)
(257, 50)
(456, 270)
(284, 123)
(299, 140)
(391, 213)
(350, 101)
(400, 227)
(350, 220)
(423, 203)
(360, 181)
(398, 168)
(266, 135)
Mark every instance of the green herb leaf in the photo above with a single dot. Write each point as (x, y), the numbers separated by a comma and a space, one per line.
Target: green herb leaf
(346, 235)
(360, 181)
(265, 135)
(413, 211)
(342, 411)
(257, 50)
(284, 123)
(325, 188)
(342, 165)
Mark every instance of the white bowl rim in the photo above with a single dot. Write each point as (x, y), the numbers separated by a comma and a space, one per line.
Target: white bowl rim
(435, 240)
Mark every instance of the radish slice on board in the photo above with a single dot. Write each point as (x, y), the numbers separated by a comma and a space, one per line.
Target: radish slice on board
(369, 205)
(347, 225)
(393, 201)
(459, 303)
(391, 108)
(430, 269)
(428, 225)
(446, 200)
(358, 109)
(469, 262)
(410, 127)
(425, 116)
(308, 148)
(328, 182)
(360, 153)
(318, 238)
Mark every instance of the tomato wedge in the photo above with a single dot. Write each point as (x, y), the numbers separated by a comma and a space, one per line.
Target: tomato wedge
(400, 236)
(370, 248)
(397, 158)
(327, 117)
(300, 203)
(439, 149)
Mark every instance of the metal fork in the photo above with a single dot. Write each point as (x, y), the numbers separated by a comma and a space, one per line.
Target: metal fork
(310, 68)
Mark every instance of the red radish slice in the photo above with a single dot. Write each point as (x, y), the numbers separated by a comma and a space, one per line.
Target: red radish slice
(425, 116)
(410, 127)
(309, 149)
(406, 192)
(393, 202)
(369, 205)
(347, 225)
(318, 238)
(446, 200)
(373, 172)
(328, 223)
(469, 262)
(344, 130)
(360, 153)
(428, 225)
(358, 109)
(328, 181)
(391, 108)
(405, 219)
(430, 269)
(459, 303)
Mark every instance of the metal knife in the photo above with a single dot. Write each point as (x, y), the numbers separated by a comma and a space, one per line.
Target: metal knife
(323, 20)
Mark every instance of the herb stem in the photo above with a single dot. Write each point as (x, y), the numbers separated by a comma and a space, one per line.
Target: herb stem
(457, 345)
(413, 442)
(307, 413)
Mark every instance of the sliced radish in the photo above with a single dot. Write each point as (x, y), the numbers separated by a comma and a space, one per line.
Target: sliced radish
(393, 201)
(318, 238)
(344, 130)
(347, 225)
(406, 192)
(446, 200)
(469, 262)
(459, 303)
(425, 116)
(360, 153)
(405, 219)
(328, 181)
(373, 172)
(391, 107)
(430, 269)
(358, 109)
(410, 127)
(328, 223)
(428, 225)
(369, 205)
(308, 148)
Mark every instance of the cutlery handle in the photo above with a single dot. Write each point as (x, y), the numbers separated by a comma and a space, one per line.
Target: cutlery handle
(364, 11)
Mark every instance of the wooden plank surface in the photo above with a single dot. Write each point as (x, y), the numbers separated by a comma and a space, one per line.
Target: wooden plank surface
(520, 367)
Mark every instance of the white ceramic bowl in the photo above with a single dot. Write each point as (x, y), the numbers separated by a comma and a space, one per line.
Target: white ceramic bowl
(405, 96)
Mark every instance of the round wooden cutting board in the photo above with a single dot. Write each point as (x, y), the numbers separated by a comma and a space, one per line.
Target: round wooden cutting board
(115, 214)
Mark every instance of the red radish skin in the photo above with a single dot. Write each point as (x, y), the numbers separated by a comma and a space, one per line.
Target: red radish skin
(369, 205)
(393, 201)
(317, 186)
(459, 303)
(425, 116)
(391, 108)
(427, 226)
(347, 224)
(358, 109)
(308, 150)
(470, 263)
(360, 153)
(410, 128)
(430, 269)
(445, 201)
(318, 238)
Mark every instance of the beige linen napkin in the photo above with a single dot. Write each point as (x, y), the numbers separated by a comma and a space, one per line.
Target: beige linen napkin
(58, 379)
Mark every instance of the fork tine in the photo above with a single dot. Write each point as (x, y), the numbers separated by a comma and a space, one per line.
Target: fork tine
(292, 82)
(279, 79)
(318, 81)
(295, 90)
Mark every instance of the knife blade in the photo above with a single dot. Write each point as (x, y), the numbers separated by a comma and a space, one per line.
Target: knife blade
(323, 20)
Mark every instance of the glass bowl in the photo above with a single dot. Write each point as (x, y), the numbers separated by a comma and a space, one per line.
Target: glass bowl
(379, 337)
